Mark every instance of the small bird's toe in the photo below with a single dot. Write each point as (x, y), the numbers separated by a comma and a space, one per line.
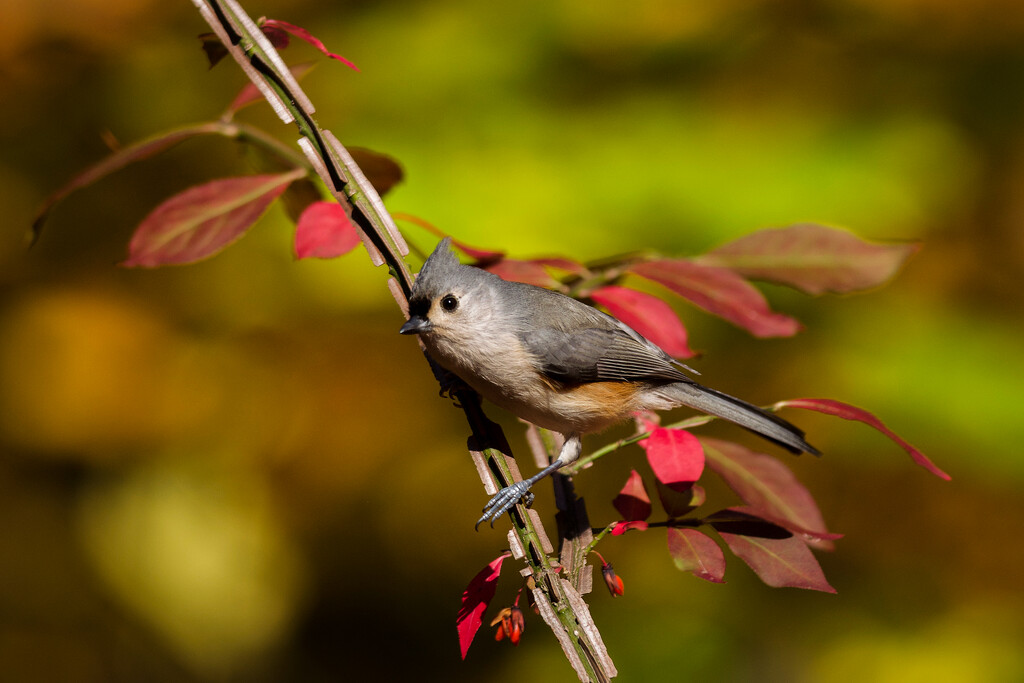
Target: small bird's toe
(504, 500)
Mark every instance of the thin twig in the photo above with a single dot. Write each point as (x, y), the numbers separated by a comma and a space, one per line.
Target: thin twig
(586, 461)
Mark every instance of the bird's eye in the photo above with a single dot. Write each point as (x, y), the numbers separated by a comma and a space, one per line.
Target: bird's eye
(449, 303)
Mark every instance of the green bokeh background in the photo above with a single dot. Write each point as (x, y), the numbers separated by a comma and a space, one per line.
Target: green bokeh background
(238, 471)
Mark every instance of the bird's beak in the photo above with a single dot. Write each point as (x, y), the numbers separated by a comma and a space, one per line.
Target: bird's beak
(415, 325)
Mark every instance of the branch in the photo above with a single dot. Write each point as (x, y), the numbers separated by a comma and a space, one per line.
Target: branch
(557, 598)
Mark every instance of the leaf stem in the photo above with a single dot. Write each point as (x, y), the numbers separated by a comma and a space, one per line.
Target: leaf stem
(597, 538)
(585, 462)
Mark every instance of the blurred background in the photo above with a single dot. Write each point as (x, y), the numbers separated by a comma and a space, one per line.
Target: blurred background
(239, 471)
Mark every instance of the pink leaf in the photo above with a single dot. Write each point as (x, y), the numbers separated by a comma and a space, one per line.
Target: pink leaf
(633, 503)
(648, 315)
(848, 412)
(305, 35)
(250, 93)
(765, 484)
(780, 562)
(813, 258)
(622, 527)
(676, 457)
(324, 230)
(475, 598)
(202, 220)
(721, 292)
(522, 271)
(693, 551)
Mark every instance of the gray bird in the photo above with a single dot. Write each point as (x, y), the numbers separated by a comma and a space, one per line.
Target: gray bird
(557, 362)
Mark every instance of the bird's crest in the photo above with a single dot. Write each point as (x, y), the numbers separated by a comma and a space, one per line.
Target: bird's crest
(440, 267)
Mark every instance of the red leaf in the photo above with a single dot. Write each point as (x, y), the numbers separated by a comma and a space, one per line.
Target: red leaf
(721, 292)
(324, 230)
(277, 37)
(250, 93)
(779, 561)
(530, 271)
(848, 412)
(622, 527)
(813, 258)
(118, 160)
(522, 271)
(741, 521)
(766, 485)
(693, 551)
(676, 457)
(382, 171)
(481, 255)
(214, 49)
(475, 598)
(633, 503)
(298, 197)
(648, 315)
(305, 35)
(679, 503)
(202, 220)
(819, 540)
(565, 264)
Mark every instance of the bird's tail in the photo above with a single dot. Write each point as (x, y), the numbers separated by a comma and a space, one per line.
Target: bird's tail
(761, 422)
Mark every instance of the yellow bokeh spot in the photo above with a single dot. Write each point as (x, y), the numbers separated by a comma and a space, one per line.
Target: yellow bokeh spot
(94, 372)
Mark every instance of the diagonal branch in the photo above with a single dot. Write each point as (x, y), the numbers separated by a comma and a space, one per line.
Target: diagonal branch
(559, 601)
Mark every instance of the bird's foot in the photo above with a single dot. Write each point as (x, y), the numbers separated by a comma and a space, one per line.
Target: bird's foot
(504, 500)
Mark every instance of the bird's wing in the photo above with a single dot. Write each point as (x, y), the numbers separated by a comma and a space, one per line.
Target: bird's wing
(576, 343)
(598, 355)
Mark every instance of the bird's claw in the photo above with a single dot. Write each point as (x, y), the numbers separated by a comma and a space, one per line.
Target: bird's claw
(451, 385)
(504, 500)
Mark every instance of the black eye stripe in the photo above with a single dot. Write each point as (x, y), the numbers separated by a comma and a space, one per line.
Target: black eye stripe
(419, 306)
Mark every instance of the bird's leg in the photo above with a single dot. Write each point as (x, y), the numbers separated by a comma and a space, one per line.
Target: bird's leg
(503, 501)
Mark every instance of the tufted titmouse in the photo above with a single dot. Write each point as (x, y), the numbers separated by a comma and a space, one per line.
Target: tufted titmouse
(557, 362)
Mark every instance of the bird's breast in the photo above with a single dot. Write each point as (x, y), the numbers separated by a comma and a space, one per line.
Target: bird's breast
(504, 373)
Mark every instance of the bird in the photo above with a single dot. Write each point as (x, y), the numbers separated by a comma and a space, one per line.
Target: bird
(557, 362)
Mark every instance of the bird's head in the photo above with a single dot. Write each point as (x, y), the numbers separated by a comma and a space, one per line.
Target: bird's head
(449, 301)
